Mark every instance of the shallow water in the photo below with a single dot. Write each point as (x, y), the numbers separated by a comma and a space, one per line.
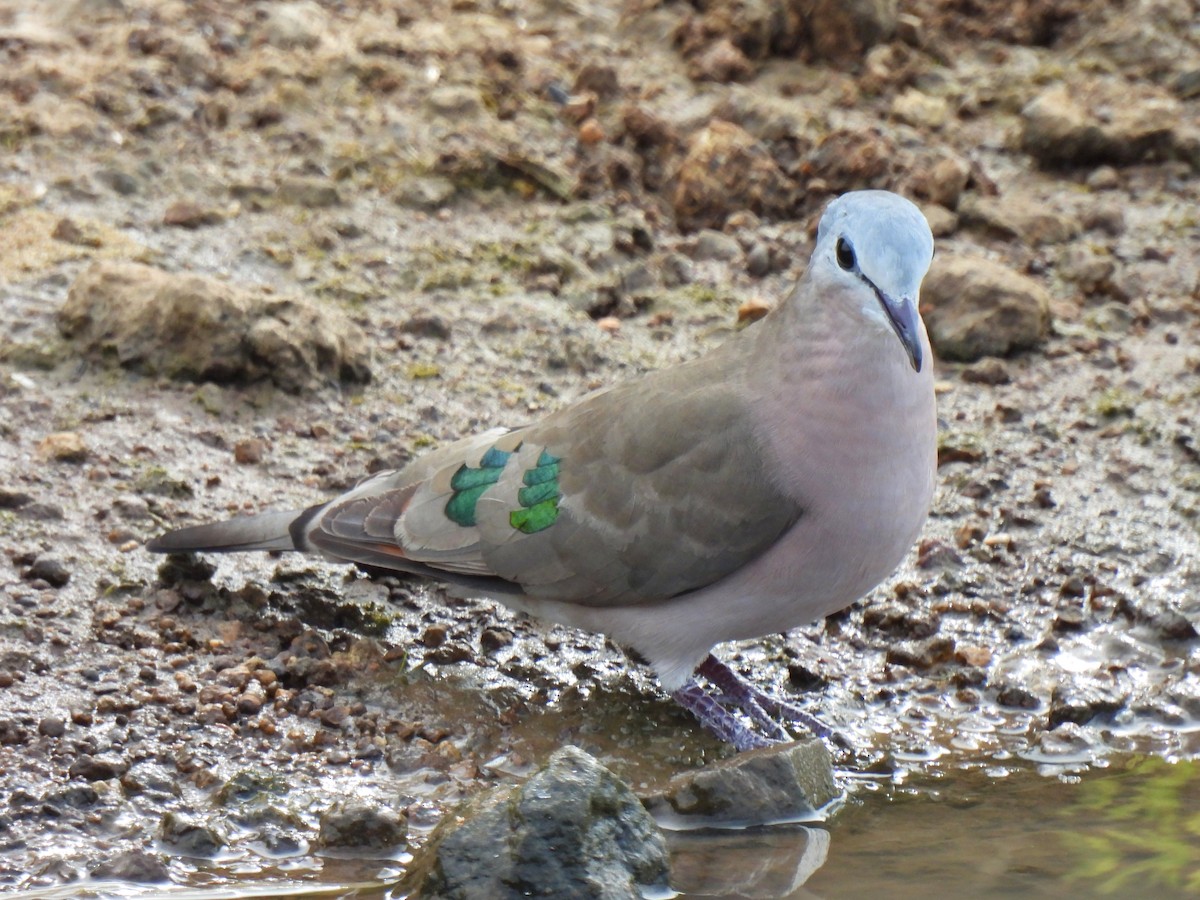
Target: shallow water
(1130, 830)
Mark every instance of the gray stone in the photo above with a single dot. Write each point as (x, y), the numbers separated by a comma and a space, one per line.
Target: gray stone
(97, 768)
(50, 570)
(758, 260)
(191, 837)
(362, 826)
(572, 830)
(133, 865)
(715, 245)
(147, 320)
(975, 307)
(785, 783)
(1081, 704)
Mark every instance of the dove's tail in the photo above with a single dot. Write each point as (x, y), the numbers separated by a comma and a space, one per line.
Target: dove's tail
(269, 531)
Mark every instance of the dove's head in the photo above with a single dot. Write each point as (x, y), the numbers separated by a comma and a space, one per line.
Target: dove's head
(876, 246)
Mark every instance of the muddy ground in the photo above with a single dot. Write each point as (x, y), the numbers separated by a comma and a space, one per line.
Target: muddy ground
(512, 204)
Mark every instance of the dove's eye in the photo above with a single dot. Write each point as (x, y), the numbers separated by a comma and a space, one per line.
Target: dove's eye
(845, 254)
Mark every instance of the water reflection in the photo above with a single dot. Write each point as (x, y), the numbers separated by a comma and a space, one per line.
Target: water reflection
(759, 863)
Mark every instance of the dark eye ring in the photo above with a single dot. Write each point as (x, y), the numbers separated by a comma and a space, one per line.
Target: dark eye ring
(845, 254)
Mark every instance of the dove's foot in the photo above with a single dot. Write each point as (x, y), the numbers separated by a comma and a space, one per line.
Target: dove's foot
(716, 709)
(765, 710)
(727, 726)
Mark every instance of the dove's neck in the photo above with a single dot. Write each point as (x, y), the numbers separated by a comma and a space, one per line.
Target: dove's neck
(840, 405)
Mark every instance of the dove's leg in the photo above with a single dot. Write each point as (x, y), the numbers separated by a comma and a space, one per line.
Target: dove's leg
(760, 706)
(717, 719)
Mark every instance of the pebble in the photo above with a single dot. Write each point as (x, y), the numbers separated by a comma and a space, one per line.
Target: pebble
(922, 654)
(52, 726)
(63, 446)
(1104, 178)
(249, 451)
(97, 768)
(989, 371)
(186, 214)
(50, 570)
(758, 260)
(310, 192)
(361, 825)
(712, 244)
(139, 866)
(191, 837)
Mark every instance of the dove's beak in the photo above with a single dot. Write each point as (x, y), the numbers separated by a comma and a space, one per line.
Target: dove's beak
(906, 322)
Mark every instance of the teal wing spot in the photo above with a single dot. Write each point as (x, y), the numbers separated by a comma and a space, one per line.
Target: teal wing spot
(460, 508)
(539, 497)
(467, 479)
(494, 459)
(470, 484)
(539, 493)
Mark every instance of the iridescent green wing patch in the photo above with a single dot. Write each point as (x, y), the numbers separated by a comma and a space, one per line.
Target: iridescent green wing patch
(539, 497)
(469, 485)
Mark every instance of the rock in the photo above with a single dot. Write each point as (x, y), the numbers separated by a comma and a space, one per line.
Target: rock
(147, 320)
(133, 865)
(942, 222)
(726, 170)
(758, 260)
(848, 160)
(921, 654)
(974, 307)
(920, 110)
(599, 78)
(456, 101)
(1099, 122)
(63, 446)
(97, 768)
(427, 325)
(843, 30)
(572, 830)
(751, 311)
(761, 863)
(1104, 178)
(10, 499)
(191, 837)
(361, 826)
(250, 451)
(715, 245)
(989, 371)
(50, 570)
(1089, 270)
(1015, 696)
(52, 726)
(289, 25)
(308, 191)
(1026, 219)
(785, 783)
(186, 214)
(132, 509)
(1081, 704)
(428, 192)
(721, 61)
(944, 181)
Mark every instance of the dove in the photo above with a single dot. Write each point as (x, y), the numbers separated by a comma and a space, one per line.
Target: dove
(757, 488)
